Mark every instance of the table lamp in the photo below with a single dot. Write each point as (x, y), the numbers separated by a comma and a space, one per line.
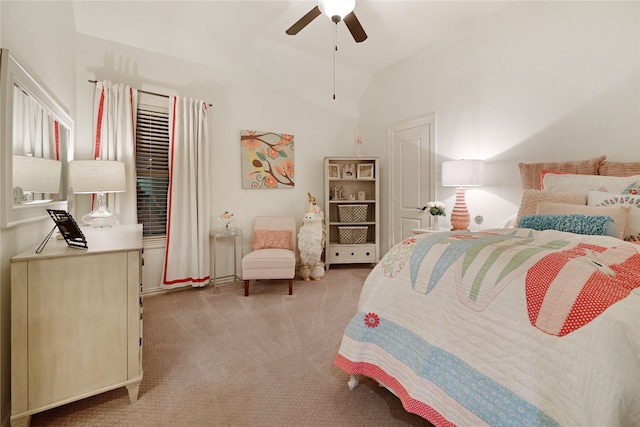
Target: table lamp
(35, 175)
(99, 177)
(461, 173)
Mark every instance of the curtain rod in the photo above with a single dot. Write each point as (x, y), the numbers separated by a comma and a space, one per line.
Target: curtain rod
(146, 91)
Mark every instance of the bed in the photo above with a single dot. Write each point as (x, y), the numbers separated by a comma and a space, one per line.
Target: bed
(512, 326)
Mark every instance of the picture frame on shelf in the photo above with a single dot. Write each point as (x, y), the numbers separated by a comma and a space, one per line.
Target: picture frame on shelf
(349, 171)
(334, 171)
(365, 171)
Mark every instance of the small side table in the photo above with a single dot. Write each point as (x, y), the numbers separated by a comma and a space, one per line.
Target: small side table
(219, 235)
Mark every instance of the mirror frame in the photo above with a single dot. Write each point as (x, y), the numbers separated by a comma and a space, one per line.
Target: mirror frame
(12, 73)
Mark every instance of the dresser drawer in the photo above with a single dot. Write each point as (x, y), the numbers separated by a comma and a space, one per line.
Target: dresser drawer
(346, 254)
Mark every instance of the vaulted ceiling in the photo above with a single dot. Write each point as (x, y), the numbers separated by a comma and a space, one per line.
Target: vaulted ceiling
(199, 30)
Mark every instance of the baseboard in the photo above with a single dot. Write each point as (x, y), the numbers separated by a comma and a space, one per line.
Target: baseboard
(154, 291)
(6, 419)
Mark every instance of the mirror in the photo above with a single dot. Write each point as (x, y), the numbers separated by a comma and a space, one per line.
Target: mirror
(36, 141)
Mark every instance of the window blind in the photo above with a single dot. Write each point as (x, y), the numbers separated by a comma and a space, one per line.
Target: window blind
(152, 168)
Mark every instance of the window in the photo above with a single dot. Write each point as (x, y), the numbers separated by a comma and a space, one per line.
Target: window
(152, 168)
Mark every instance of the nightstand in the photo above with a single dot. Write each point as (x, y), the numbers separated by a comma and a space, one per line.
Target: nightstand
(428, 230)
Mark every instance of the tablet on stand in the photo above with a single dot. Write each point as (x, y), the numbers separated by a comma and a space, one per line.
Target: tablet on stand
(68, 229)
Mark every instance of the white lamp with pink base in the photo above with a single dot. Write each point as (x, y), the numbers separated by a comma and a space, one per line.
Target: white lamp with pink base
(461, 173)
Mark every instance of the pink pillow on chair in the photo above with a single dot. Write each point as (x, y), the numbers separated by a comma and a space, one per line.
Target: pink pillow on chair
(271, 239)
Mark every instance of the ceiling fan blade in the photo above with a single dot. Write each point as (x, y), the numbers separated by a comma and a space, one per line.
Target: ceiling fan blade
(355, 28)
(304, 21)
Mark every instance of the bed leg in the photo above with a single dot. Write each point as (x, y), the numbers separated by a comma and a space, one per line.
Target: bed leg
(353, 382)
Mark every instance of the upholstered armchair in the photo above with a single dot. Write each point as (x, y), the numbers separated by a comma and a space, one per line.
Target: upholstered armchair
(273, 254)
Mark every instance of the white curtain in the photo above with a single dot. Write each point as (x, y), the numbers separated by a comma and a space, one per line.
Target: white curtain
(115, 110)
(187, 249)
(34, 130)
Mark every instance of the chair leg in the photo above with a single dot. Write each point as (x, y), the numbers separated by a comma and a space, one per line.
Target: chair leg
(290, 286)
(246, 288)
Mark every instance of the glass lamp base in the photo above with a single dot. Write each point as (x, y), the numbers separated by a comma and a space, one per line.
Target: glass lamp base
(358, 148)
(435, 225)
(101, 217)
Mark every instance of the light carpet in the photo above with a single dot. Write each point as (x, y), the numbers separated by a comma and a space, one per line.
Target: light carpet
(213, 357)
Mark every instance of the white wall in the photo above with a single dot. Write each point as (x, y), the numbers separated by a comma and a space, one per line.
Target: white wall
(541, 81)
(42, 38)
(242, 98)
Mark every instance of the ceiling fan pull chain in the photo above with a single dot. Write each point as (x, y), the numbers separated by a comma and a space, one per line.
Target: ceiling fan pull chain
(335, 49)
(340, 10)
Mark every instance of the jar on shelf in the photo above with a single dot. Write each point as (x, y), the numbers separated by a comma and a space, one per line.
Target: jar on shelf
(358, 147)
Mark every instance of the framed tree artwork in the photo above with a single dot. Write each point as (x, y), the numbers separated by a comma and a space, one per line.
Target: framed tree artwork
(267, 160)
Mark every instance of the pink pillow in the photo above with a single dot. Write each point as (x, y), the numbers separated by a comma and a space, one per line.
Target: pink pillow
(530, 172)
(531, 198)
(619, 168)
(271, 239)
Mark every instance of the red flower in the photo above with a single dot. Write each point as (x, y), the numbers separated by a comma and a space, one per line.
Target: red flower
(273, 152)
(633, 191)
(371, 320)
(271, 182)
(409, 241)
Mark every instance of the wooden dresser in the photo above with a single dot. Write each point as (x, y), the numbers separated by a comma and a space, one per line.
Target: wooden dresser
(76, 321)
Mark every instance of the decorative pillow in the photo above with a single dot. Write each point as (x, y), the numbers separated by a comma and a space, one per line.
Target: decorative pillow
(585, 183)
(599, 198)
(271, 239)
(619, 214)
(531, 198)
(575, 223)
(509, 222)
(619, 168)
(530, 172)
(544, 172)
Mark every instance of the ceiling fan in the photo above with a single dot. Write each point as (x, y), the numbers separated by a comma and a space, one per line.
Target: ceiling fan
(336, 10)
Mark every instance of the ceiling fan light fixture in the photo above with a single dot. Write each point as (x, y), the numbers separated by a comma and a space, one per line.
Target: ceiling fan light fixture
(333, 8)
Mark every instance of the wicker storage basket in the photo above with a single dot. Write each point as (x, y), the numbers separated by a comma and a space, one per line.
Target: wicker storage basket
(352, 213)
(352, 235)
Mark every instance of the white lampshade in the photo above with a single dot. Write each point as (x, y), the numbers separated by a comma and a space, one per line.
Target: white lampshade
(36, 175)
(96, 176)
(339, 8)
(462, 173)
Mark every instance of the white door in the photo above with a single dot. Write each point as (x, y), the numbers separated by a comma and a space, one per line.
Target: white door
(412, 175)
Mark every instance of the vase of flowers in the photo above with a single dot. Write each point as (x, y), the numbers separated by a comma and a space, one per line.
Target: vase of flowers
(226, 224)
(436, 209)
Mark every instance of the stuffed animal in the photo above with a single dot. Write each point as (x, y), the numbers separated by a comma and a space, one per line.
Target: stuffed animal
(311, 242)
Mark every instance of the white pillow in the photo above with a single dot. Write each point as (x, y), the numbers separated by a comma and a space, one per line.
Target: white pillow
(600, 198)
(574, 183)
(509, 222)
(619, 214)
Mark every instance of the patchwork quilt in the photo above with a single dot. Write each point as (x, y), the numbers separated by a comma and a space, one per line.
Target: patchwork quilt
(504, 327)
